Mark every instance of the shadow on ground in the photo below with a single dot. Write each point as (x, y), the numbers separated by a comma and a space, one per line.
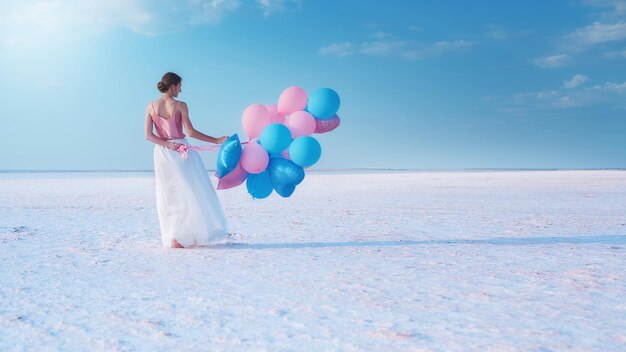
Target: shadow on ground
(506, 241)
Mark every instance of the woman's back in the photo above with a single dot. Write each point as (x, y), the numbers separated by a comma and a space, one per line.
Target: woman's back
(167, 119)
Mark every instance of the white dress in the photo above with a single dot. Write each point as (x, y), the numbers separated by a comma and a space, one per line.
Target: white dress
(187, 204)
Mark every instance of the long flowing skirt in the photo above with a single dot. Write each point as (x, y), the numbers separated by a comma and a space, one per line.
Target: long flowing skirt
(188, 208)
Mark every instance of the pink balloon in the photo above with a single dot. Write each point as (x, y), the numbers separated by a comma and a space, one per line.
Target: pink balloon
(272, 109)
(285, 154)
(278, 119)
(301, 123)
(254, 120)
(254, 158)
(275, 117)
(323, 126)
(233, 178)
(291, 100)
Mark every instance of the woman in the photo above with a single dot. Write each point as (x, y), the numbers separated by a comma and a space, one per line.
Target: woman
(189, 211)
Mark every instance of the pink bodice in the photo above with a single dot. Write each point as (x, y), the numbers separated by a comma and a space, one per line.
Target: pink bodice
(168, 128)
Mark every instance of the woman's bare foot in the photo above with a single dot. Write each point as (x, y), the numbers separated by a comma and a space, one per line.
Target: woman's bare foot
(175, 244)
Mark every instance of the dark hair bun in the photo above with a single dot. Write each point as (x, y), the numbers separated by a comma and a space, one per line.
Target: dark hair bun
(169, 79)
(162, 87)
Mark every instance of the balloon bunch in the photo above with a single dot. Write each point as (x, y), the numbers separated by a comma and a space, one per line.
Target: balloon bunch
(279, 144)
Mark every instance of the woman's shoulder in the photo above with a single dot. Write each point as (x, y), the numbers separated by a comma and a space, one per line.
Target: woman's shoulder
(150, 107)
(182, 104)
(153, 104)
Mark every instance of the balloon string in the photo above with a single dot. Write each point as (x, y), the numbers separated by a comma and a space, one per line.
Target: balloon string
(205, 148)
(183, 149)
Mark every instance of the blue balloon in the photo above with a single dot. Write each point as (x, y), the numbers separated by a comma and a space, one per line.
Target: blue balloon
(228, 156)
(323, 103)
(305, 151)
(259, 185)
(285, 191)
(284, 172)
(275, 138)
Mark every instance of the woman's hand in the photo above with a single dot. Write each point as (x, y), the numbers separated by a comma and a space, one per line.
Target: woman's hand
(175, 146)
(221, 140)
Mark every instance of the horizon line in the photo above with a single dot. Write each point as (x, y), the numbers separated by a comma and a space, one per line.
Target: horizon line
(329, 170)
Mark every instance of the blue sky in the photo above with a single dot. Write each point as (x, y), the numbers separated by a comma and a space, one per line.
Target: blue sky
(438, 84)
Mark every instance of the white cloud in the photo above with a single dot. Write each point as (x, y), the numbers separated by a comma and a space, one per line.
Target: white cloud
(384, 47)
(210, 11)
(338, 49)
(271, 6)
(611, 88)
(575, 81)
(35, 22)
(612, 8)
(597, 33)
(608, 95)
(551, 61)
(598, 39)
(387, 45)
(382, 35)
(454, 45)
(496, 32)
(615, 54)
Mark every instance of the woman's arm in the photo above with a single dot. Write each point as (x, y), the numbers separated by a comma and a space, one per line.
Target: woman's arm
(192, 132)
(152, 137)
